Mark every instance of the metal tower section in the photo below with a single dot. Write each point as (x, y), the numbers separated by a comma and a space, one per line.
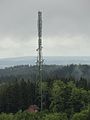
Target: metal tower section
(40, 57)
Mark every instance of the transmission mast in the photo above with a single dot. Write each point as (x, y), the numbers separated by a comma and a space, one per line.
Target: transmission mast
(40, 57)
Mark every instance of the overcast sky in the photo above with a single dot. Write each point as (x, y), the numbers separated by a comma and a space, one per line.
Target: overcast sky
(66, 27)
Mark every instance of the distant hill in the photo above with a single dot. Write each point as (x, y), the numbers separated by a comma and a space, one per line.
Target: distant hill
(58, 60)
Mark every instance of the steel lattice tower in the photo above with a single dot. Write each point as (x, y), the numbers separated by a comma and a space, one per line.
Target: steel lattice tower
(40, 57)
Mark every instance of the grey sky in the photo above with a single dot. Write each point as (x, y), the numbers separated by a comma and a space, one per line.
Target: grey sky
(66, 27)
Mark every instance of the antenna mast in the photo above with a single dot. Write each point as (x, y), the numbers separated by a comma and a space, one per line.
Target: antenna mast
(39, 57)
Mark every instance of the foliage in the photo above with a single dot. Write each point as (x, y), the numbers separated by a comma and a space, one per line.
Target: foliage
(5, 116)
(33, 116)
(83, 115)
(55, 116)
(58, 96)
(68, 98)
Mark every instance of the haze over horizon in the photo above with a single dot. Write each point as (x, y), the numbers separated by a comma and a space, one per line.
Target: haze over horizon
(48, 60)
(66, 27)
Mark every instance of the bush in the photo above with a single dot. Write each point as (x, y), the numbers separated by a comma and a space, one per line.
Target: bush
(5, 116)
(84, 115)
(55, 116)
(33, 116)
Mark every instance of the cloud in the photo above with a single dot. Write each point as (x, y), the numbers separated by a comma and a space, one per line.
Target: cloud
(66, 27)
(67, 46)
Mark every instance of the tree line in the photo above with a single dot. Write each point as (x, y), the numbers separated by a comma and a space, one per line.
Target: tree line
(28, 72)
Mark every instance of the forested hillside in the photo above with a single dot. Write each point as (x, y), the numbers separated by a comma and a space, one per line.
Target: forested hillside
(65, 92)
(49, 72)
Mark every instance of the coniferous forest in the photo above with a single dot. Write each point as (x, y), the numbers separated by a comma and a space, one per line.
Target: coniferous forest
(66, 92)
